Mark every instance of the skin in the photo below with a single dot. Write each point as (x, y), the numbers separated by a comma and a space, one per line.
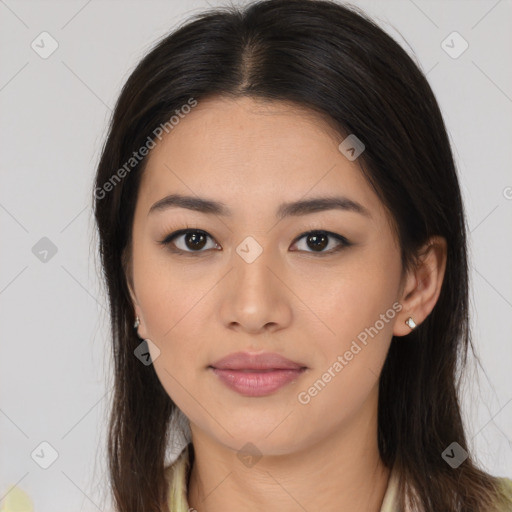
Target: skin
(254, 155)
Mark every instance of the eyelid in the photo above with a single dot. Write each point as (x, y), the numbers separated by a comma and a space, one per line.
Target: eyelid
(168, 241)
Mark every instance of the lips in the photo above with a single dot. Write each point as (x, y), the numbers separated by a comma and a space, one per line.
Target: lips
(247, 361)
(256, 375)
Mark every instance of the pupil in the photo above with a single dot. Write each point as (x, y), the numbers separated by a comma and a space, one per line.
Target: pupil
(195, 240)
(315, 239)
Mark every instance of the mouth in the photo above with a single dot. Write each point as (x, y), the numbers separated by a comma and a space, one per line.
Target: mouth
(257, 382)
(256, 374)
(253, 370)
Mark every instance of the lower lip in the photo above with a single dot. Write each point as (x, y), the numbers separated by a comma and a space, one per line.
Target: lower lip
(257, 383)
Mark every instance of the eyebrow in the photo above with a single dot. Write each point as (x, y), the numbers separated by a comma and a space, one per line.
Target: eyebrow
(296, 208)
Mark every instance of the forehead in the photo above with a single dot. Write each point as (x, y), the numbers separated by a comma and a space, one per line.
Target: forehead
(251, 153)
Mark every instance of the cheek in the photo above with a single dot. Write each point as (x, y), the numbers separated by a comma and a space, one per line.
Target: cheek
(174, 319)
(350, 362)
(167, 292)
(354, 297)
(358, 309)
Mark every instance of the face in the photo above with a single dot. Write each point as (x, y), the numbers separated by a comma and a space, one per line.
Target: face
(252, 281)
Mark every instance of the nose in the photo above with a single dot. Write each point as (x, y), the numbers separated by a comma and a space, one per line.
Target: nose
(255, 297)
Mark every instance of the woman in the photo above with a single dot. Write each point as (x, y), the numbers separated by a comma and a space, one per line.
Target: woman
(280, 221)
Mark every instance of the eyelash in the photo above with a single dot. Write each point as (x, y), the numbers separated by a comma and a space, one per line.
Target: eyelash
(168, 241)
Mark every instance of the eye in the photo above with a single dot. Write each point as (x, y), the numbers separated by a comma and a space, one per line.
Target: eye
(318, 240)
(195, 240)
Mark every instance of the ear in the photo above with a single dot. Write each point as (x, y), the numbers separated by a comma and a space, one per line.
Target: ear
(422, 285)
(129, 283)
(127, 269)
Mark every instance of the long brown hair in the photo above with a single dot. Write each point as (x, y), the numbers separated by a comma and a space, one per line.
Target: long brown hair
(334, 60)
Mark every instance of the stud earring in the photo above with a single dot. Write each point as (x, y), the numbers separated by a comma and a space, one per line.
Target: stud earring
(137, 323)
(410, 322)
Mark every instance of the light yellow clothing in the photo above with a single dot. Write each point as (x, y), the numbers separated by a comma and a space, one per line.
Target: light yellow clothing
(16, 500)
(178, 502)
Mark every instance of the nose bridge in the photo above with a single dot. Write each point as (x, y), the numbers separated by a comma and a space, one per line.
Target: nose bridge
(255, 298)
(252, 261)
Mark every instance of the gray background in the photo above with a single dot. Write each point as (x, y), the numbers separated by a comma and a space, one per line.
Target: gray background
(54, 365)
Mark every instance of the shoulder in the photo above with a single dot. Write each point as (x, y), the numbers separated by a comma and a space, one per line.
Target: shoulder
(505, 486)
(17, 499)
(176, 476)
(177, 470)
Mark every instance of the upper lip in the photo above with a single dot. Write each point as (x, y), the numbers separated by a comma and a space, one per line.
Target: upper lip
(247, 361)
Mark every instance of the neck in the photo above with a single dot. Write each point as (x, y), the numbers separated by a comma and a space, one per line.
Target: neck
(341, 472)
